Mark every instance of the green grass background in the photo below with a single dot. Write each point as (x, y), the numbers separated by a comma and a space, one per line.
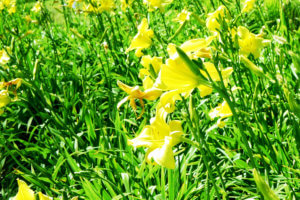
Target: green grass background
(65, 137)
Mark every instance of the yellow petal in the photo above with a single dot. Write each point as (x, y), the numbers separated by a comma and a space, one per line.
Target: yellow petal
(176, 131)
(4, 98)
(4, 58)
(125, 87)
(223, 111)
(205, 90)
(163, 156)
(147, 83)
(24, 193)
(122, 102)
(248, 6)
(168, 99)
(44, 197)
(152, 94)
(144, 139)
(196, 44)
(175, 74)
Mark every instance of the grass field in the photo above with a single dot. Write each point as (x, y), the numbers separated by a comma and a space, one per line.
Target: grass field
(149, 99)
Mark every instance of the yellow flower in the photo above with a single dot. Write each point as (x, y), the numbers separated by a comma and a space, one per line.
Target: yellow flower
(176, 74)
(24, 193)
(223, 111)
(44, 197)
(157, 4)
(198, 48)
(250, 43)
(142, 40)
(159, 137)
(168, 99)
(106, 5)
(37, 7)
(150, 64)
(136, 93)
(4, 58)
(212, 21)
(125, 4)
(4, 98)
(213, 73)
(183, 16)
(248, 6)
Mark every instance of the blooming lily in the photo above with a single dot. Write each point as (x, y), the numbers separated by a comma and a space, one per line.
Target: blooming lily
(157, 4)
(142, 39)
(248, 6)
(212, 21)
(24, 192)
(250, 43)
(159, 137)
(223, 111)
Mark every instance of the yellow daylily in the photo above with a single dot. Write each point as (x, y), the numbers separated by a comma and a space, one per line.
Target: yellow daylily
(198, 48)
(212, 22)
(222, 111)
(250, 43)
(159, 137)
(142, 39)
(175, 74)
(136, 93)
(168, 99)
(183, 16)
(125, 4)
(148, 61)
(4, 58)
(106, 5)
(4, 98)
(10, 5)
(24, 193)
(37, 7)
(248, 6)
(157, 4)
(44, 197)
(213, 73)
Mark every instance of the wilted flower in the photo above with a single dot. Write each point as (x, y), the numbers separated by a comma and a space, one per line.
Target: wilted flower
(136, 93)
(159, 137)
(142, 40)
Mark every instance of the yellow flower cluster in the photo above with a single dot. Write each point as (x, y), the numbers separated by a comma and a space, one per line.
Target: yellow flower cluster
(177, 76)
(142, 39)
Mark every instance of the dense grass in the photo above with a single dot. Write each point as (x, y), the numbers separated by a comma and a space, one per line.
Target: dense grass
(65, 137)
